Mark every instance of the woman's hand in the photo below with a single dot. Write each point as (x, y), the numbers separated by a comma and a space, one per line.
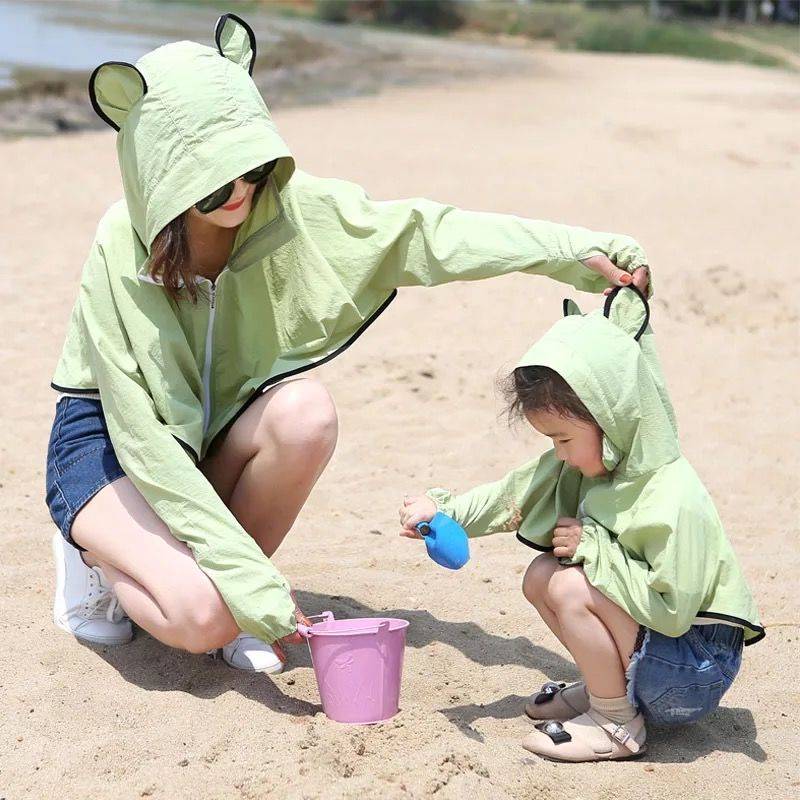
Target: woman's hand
(613, 274)
(566, 537)
(413, 511)
(292, 638)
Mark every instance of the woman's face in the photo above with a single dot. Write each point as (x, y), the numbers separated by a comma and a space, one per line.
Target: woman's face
(234, 212)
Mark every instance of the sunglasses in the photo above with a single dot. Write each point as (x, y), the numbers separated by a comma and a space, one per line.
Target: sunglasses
(221, 196)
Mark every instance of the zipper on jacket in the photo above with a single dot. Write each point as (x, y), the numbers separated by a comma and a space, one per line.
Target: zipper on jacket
(212, 309)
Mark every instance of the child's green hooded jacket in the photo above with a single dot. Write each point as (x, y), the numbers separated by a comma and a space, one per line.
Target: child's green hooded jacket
(312, 266)
(652, 540)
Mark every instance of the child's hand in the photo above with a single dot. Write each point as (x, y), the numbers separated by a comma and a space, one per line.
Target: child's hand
(566, 537)
(416, 510)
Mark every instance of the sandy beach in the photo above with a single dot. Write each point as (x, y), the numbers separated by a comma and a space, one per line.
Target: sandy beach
(700, 162)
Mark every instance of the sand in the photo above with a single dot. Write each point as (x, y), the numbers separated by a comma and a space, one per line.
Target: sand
(700, 162)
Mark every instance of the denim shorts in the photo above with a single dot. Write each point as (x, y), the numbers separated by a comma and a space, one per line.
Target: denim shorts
(678, 680)
(80, 460)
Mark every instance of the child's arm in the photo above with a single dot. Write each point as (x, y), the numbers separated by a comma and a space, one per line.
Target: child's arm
(532, 493)
(490, 508)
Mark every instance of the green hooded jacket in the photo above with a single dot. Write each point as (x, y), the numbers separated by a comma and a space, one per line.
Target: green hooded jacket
(652, 540)
(312, 266)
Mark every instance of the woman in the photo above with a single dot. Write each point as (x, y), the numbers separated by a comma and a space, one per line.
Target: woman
(181, 453)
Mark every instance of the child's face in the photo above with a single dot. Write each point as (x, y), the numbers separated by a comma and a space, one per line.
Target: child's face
(578, 443)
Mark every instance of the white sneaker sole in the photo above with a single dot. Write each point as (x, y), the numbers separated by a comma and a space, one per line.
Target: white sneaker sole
(276, 669)
(93, 639)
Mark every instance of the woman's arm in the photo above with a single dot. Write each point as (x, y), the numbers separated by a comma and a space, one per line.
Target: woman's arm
(256, 593)
(421, 242)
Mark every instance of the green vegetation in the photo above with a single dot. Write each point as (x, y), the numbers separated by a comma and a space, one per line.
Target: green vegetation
(595, 27)
(630, 32)
(627, 30)
(785, 36)
(429, 15)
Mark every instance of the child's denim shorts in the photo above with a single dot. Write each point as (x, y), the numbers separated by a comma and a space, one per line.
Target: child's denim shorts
(678, 680)
(80, 460)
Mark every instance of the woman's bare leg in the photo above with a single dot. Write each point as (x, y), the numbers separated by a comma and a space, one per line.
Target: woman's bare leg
(264, 469)
(154, 575)
(270, 459)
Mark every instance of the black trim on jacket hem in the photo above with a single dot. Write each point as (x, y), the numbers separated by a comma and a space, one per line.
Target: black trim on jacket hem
(275, 379)
(188, 448)
(73, 391)
(761, 633)
(539, 547)
(278, 378)
(758, 630)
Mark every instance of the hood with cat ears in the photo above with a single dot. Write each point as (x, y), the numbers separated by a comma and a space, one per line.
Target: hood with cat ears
(114, 89)
(608, 359)
(236, 41)
(116, 86)
(189, 119)
(633, 317)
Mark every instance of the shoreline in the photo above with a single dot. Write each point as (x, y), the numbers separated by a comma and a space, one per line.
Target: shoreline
(307, 63)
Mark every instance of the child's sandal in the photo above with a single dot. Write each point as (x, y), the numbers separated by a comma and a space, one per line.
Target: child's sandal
(589, 737)
(558, 701)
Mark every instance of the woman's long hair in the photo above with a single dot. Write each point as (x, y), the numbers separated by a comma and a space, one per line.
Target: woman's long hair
(169, 259)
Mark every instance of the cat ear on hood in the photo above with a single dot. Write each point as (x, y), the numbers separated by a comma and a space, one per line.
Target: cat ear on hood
(571, 308)
(236, 41)
(114, 88)
(628, 309)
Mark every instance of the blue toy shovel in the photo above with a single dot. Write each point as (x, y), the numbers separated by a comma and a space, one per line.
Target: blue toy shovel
(446, 541)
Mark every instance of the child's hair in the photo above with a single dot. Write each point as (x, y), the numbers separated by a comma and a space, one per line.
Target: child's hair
(530, 389)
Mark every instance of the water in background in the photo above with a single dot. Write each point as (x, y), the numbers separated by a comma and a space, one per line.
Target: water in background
(76, 36)
(48, 49)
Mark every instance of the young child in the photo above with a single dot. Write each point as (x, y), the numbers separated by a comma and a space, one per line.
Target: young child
(637, 578)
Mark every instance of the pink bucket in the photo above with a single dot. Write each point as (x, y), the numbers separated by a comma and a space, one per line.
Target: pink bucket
(358, 664)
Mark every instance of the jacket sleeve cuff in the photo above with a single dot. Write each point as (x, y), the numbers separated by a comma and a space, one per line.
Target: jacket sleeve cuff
(444, 500)
(586, 547)
(624, 251)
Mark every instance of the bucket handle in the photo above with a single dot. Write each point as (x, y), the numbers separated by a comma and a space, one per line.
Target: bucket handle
(306, 632)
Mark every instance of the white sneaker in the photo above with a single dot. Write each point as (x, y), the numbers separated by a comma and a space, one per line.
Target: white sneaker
(85, 605)
(248, 653)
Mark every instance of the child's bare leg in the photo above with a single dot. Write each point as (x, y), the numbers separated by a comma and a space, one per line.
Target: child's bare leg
(535, 588)
(601, 637)
(571, 700)
(598, 633)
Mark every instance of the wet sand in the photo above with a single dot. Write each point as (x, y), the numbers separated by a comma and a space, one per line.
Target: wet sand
(700, 162)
